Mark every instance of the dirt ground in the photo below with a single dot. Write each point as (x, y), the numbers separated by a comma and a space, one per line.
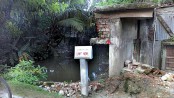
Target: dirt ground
(127, 85)
(131, 85)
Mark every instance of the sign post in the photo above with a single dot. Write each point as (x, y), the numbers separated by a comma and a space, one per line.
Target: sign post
(83, 53)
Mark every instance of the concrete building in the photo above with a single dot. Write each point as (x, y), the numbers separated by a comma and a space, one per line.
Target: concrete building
(136, 31)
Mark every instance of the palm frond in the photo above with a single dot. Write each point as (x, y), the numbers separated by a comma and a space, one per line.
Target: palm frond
(23, 48)
(73, 22)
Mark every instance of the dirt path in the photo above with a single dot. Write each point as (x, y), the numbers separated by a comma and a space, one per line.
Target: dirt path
(5, 95)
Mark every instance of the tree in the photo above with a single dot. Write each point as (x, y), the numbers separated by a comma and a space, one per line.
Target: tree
(40, 22)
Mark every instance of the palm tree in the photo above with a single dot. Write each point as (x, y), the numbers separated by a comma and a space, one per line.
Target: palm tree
(72, 15)
(43, 20)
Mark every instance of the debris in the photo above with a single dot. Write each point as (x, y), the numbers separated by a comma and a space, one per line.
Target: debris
(136, 79)
(127, 62)
(137, 67)
(71, 88)
(61, 92)
(168, 77)
(139, 70)
(146, 66)
(116, 87)
(157, 72)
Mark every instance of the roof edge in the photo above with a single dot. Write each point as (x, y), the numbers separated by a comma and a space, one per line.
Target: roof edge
(121, 7)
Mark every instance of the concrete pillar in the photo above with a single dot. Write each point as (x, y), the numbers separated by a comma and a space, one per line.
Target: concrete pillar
(84, 76)
(115, 65)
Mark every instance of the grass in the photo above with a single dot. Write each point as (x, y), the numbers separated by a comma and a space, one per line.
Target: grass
(30, 91)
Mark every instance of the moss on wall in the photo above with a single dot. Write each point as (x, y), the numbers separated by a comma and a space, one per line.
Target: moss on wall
(118, 7)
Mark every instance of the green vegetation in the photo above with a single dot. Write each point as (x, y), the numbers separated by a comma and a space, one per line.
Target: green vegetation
(30, 91)
(36, 27)
(171, 39)
(102, 81)
(26, 72)
(112, 2)
(30, 31)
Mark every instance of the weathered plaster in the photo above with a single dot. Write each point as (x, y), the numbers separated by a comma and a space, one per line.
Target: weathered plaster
(114, 54)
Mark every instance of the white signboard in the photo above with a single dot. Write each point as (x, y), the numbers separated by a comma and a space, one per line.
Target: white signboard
(83, 52)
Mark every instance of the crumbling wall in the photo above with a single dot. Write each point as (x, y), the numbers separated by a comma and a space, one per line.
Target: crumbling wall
(123, 32)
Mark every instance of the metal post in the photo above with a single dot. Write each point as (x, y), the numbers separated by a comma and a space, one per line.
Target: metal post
(84, 76)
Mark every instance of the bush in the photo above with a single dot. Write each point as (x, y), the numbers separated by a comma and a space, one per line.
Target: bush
(26, 72)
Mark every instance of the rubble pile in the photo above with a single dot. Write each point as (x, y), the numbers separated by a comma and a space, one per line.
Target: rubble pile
(137, 67)
(168, 77)
(146, 81)
(69, 89)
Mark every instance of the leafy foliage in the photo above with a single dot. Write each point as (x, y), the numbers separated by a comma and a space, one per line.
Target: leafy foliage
(13, 29)
(111, 2)
(41, 24)
(3, 69)
(76, 23)
(26, 72)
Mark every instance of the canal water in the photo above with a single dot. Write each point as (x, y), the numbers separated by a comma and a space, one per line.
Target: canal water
(62, 66)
